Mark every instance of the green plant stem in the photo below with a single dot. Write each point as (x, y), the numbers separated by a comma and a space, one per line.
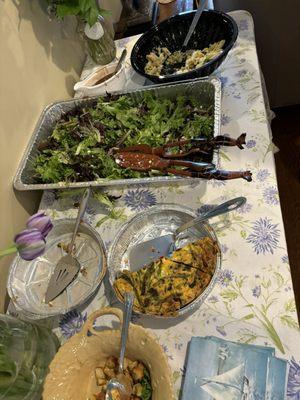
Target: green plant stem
(266, 323)
(10, 250)
(234, 320)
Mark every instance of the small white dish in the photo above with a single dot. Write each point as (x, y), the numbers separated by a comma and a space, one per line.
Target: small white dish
(87, 86)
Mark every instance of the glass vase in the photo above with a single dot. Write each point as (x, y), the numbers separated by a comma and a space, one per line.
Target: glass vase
(26, 350)
(102, 50)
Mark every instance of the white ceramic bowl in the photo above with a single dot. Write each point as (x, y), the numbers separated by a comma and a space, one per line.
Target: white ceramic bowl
(87, 87)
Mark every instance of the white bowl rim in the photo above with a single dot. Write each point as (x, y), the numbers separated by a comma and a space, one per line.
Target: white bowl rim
(103, 83)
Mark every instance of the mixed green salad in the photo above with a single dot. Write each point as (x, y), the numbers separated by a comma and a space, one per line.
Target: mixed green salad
(80, 147)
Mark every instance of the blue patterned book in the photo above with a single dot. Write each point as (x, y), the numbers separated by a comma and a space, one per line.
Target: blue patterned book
(217, 369)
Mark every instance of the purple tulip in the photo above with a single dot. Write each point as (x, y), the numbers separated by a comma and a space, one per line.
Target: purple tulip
(40, 221)
(30, 244)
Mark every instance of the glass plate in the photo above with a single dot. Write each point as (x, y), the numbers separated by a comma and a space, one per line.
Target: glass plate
(158, 221)
(28, 280)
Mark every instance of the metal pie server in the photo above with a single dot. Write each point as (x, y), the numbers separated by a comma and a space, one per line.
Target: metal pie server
(68, 266)
(146, 252)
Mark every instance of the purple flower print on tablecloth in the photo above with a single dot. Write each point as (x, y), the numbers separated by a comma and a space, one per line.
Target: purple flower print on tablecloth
(166, 350)
(250, 144)
(264, 236)
(224, 80)
(215, 183)
(256, 291)
(262, 175)
(213, 299)
(241, 73)
(271, 196)
(285, 259)
(178, 346)
(245, 208)
(221, 330)
(72, 323)
(225, 119)
(293, 385)
(224, 248)
(139, 199)
(225, 277)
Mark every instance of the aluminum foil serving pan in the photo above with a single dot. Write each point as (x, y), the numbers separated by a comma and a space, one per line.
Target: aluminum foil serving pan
(207, 91)
(160, 220)
(28, 280)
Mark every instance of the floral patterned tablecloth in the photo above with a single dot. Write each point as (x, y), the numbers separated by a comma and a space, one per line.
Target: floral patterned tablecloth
(253, 301)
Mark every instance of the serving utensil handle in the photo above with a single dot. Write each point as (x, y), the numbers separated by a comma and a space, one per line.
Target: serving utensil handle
(195, 166)
(81, 211)
(201, 6)
(119, 65)
(218, 210)
(129, 297)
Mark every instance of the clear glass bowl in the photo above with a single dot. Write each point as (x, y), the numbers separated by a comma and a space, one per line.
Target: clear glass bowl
(26, 351)
(28, 280)
(159, 220)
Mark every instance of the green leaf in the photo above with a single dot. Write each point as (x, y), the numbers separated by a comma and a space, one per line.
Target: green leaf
(103, 198)
(146, 386)
(105, 13)
(229, 294)
(79, 146)
(243, 234)
(289, 321)
(247, 336)
(224, 156)
(266, 284)
(117, 213)
(72, 8)
(239, 281)
(279, 278)
(272, 332)
(290, 306)
(249, 316)
(92, 15)
(102, 220)
(84, 5)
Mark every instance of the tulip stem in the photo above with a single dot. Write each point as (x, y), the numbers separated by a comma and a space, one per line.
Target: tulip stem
(10, 250)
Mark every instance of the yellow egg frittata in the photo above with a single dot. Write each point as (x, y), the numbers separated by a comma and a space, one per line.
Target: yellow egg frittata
(168, 284)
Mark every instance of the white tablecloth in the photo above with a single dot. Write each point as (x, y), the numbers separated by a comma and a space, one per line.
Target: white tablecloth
(253, 301)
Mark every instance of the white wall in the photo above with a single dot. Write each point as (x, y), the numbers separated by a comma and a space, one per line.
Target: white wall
(39, 63)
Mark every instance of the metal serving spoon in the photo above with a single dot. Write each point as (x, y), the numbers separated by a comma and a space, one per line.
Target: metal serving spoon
(201, 6)
(170, 69)
(121, 59)
(122, 383)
